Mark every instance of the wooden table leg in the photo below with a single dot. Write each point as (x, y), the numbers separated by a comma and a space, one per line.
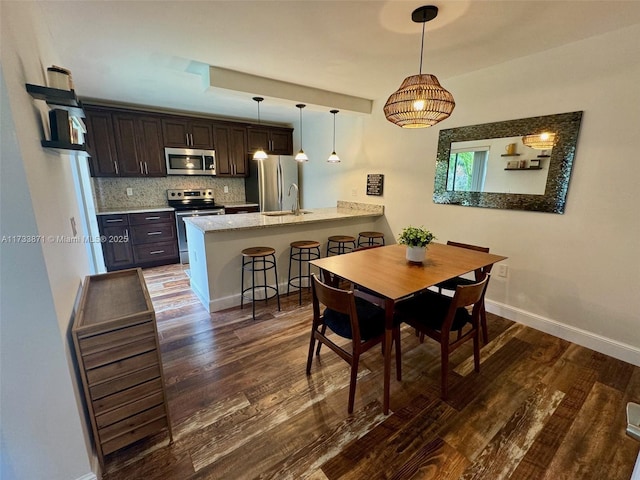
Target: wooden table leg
(388, 336)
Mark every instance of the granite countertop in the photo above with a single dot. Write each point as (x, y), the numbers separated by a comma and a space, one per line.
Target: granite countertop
(344, 210)
(135, 210)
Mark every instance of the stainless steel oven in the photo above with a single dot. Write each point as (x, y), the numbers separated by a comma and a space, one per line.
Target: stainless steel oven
(190, 203)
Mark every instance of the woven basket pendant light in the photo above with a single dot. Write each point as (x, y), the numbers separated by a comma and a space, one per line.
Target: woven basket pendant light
(420, 101)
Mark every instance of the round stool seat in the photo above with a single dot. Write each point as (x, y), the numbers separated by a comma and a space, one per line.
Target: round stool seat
(341, 238)
(258, 251)
(302, 251)
(258, 261)
(305, 244)
(370, 238)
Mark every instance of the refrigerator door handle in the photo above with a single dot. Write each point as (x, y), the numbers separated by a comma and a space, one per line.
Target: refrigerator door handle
(280, 186)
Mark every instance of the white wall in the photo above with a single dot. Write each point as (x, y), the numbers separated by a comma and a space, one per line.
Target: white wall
(576, 275)
(42, 435)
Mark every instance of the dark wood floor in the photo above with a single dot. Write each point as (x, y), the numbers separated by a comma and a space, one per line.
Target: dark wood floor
(242, 406)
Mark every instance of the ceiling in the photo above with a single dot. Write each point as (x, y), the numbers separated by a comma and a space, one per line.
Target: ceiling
(150, 52)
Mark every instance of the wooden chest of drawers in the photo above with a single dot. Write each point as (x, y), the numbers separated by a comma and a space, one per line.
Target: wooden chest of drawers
(116, 344)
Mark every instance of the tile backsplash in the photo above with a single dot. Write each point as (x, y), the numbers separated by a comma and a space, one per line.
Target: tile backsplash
(111, 193)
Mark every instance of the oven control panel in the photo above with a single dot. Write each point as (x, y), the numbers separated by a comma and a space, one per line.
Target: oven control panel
(192, 194)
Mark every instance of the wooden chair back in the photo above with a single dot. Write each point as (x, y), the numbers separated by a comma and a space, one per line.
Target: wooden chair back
(480, 272)
(341, 301)
(466, 296)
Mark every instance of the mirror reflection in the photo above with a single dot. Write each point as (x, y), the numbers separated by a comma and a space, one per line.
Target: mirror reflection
(522, 164)
(499, 165)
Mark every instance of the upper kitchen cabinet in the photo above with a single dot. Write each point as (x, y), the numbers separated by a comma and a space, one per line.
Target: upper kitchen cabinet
(184, 132)
(138, 139)
(274, 140)
(101, 143)
(231, 151)
(124, 143)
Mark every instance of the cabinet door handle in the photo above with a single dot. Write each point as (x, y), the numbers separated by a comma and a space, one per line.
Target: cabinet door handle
(152, 218)
(141, 168)
(154, 233)
(156, 252)
(115, 220)
(146, 168)
(115, 164)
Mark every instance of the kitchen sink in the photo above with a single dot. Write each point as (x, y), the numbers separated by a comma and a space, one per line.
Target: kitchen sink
(282, 213)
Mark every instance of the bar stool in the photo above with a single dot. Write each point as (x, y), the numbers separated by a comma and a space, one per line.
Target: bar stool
(255, 260)
(302, 251)
(344, 244)
(367, 239)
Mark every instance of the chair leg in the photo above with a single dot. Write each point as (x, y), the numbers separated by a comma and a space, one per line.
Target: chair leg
(476, 351)
(483, 322)
(396, 339)
(444, 366)
(352, 383)
(312, 343)
(323, 330)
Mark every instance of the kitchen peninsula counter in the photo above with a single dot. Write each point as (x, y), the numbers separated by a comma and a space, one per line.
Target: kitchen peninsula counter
(215, 244)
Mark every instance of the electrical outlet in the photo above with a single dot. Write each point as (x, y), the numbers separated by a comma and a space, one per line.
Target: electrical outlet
(129, 192)
(226, 189)
(503, 270)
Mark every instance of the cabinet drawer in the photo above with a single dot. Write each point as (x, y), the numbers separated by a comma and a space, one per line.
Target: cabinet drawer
(155, 252)
(150, 217)
(124, 397)
(113, 220)
(115, 338)
(130, 409)
(122, 367)
(153, 233)
(121, 383)
(110, 355)
(134, 428)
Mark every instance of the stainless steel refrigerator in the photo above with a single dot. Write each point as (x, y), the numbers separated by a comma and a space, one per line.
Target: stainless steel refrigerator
(269, 181)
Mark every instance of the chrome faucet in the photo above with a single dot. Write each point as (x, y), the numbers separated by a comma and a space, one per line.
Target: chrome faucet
(295, 209)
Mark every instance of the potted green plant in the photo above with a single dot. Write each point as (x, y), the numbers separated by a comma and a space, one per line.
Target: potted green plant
(416, 239)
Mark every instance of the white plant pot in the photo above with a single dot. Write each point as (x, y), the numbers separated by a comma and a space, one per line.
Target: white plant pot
(416, 254)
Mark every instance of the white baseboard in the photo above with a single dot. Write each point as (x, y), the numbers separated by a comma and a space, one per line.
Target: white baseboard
(88, 476)
(613, 348)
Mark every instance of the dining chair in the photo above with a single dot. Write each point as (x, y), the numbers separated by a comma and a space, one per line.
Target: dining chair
(479, 274)
(349, 317)
(437, 316)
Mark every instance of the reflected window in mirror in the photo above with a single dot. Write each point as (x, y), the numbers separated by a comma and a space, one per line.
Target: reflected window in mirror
(489, 165)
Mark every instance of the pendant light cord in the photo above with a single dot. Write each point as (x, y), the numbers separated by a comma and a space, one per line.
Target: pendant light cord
(334, 132)
(422, 44)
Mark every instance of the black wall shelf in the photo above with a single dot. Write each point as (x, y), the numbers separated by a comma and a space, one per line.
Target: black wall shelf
(526, 168)
(64, 100)
(510, 155)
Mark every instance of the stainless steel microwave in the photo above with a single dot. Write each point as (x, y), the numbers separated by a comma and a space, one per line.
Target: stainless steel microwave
(189, 161)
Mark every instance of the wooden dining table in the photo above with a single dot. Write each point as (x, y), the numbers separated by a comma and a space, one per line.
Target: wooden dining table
(385, 271)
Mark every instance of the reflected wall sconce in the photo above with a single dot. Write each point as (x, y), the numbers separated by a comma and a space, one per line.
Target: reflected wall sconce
(540, 141)
(301, 156)
(259, 154)
(420, 101)
(334, 158)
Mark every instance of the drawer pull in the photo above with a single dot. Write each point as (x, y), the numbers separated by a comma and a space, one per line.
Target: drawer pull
(154, 233)
(115, 220)
(152, 218)
(156, 252)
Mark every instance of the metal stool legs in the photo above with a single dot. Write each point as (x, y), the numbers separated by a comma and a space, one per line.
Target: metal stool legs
(302, 252)
(256, 260)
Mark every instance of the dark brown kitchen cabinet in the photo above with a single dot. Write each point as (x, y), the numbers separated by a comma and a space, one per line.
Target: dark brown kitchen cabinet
(190, 133)
(124, 144)
(103, 161)
(139, 148)
(138, 239)
(231, 151)
(241, 209)
(274, 140)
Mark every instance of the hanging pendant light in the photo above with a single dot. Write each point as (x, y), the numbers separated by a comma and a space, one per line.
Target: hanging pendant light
(259, 154)
(420, 101)
(334, 158)
(301, 156)
(541, 141)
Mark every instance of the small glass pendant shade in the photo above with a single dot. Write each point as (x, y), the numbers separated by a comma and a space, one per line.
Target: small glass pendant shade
(260, 154)
(301, 156)
(333, 158)
(419, 102)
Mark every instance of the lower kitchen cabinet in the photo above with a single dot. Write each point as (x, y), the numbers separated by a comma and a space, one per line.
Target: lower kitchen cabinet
(241, 209)
(116, 344)
(138, 239)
